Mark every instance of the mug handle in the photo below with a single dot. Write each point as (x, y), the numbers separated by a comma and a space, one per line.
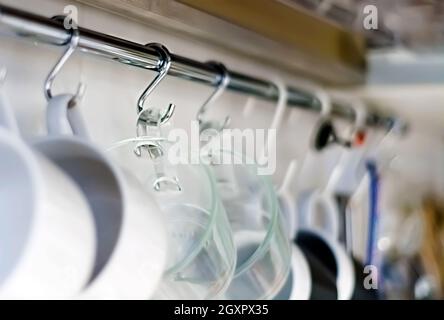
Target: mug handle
(330, 213)
(64, 119)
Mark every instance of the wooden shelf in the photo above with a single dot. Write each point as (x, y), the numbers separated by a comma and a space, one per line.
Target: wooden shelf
(264, 30)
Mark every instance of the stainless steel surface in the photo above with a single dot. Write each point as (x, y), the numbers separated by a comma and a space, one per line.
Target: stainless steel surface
(37, 28)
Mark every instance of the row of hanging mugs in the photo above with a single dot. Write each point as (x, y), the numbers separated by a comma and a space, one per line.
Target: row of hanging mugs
(77, 222)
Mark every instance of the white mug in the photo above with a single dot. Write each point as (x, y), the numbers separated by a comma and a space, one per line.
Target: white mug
(47, 239)
(345, 277)
(131, 233)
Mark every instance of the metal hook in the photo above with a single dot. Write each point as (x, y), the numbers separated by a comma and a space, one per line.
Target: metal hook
(325, 100)
(73, 44)
(358, 130)
(325, 133)
(221, 87)
(146, 116)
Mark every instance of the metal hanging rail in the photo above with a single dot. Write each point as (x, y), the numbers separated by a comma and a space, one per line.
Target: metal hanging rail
(45, 30)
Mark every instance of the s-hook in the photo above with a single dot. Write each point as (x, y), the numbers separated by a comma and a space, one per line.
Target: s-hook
(221, 87)
(149, 116)
(72, 46)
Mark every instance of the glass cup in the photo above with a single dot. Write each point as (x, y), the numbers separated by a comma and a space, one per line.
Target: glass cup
(202, 256)
(262, 246)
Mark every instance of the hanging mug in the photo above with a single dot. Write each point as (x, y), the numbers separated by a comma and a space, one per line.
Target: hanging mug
(47, 240)
(130, 231)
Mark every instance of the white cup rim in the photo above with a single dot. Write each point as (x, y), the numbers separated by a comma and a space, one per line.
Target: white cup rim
(302, 285)
(345, 280)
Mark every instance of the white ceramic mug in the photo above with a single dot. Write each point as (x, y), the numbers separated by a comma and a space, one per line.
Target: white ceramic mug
(131, 234)
(345, 275)
(47, 239)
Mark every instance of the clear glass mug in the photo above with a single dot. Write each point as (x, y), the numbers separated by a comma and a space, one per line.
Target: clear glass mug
(262, 246)
(202, 255)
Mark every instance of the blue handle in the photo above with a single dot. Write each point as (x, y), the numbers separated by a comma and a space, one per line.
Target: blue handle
(373, 211)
